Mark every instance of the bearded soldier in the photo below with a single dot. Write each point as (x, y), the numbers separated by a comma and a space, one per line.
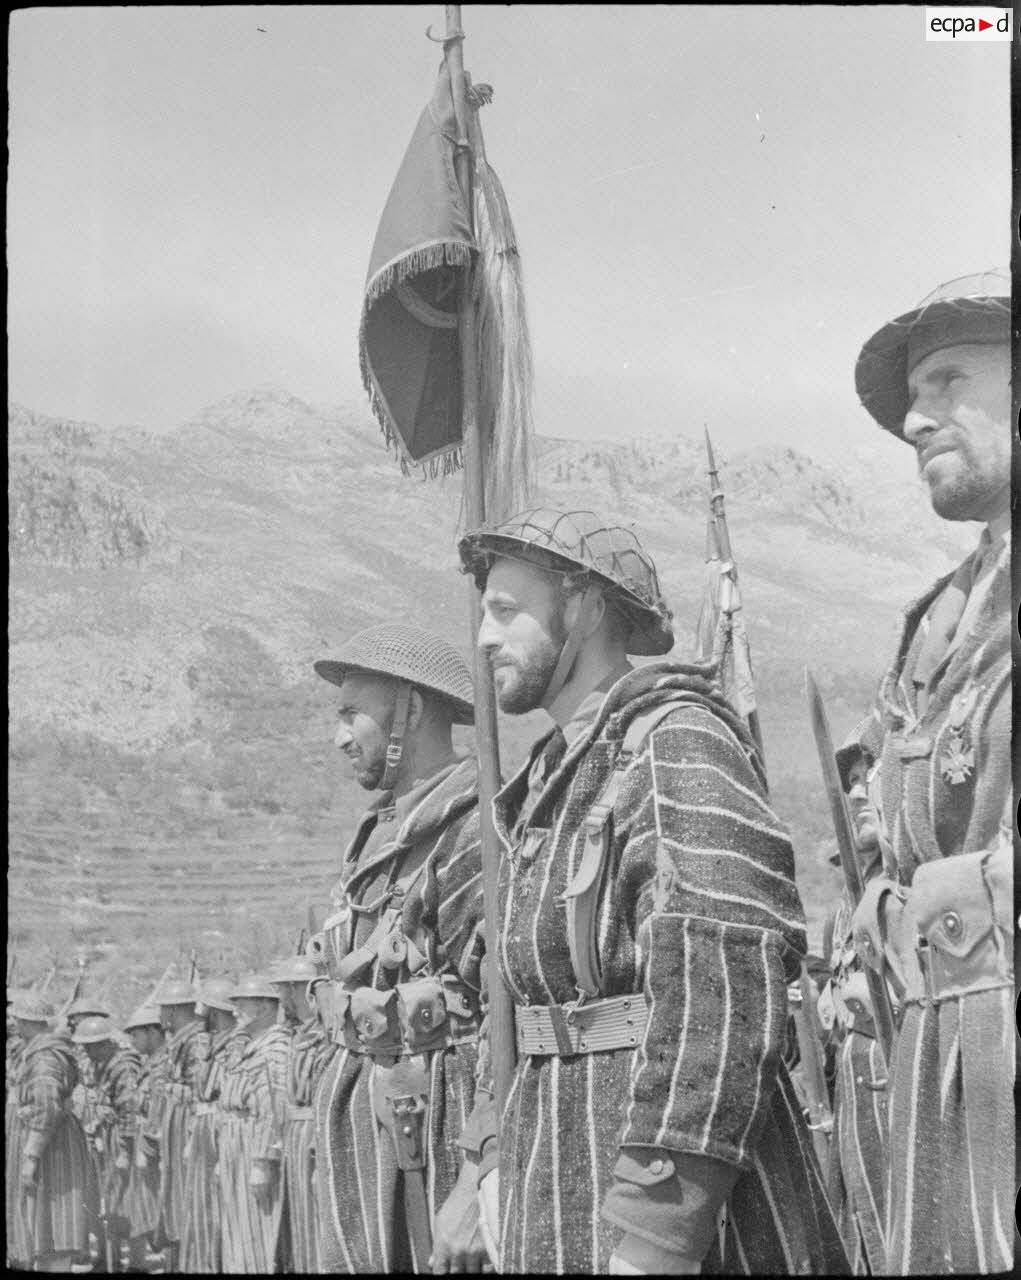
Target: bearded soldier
(187, 1047)
(113, 1104)
(59, 1200)
(201, 1243)
(141, 1199)
(252, 1101)
(310, 1051)
(649, 927)
(403, 946)
(939, 921)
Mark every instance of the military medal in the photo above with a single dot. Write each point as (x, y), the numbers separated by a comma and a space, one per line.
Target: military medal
(958, 762)
(956, 765)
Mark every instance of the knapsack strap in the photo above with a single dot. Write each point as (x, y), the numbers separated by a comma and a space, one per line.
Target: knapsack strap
(583, 892)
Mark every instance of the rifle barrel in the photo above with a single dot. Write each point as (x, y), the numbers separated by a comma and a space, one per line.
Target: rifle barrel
(882, 1007)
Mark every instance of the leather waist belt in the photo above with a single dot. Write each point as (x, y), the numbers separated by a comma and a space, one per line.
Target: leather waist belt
(596, 1026)
(301, 1113)
(206, 1108)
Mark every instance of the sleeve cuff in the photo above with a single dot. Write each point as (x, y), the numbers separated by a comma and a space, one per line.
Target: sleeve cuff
(668, 1200)
(480, 1127)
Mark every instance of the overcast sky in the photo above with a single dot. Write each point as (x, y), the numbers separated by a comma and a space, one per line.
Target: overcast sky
(715, 206)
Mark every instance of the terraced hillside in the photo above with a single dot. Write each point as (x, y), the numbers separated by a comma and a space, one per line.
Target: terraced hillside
(171, 779)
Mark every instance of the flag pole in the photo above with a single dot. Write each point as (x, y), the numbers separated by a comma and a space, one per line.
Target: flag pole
(500, 1013)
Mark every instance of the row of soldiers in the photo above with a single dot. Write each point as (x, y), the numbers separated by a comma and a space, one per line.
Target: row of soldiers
(186, 1134)
(646, 1116)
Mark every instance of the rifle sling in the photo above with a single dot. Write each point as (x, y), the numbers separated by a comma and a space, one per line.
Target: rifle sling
(583, 893)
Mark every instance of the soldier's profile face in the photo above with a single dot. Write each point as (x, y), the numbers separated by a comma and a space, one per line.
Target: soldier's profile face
(862, 813)
(366, 715)
(959, 424)
(522, 632)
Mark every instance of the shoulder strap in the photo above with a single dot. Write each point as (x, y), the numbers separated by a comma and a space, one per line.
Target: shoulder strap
(582, 896)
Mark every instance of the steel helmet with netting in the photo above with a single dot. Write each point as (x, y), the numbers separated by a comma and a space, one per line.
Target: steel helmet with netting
(214, 993)
(93, 1030)
(580, 542)
(146, 1015)
(408, 653)
(177, 991)
(85, 1006)
(969, 310)
(255, 986)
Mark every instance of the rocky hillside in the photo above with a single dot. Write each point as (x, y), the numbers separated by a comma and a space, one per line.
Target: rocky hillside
(171, 779)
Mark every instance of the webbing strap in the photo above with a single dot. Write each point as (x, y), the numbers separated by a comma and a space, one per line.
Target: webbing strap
(571, 646)
(582, 895)
(395, 746)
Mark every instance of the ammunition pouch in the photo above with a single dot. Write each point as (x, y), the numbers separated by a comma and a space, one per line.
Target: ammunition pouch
(959, 920)
(853, 995)
(949, 935)
(419, 1016)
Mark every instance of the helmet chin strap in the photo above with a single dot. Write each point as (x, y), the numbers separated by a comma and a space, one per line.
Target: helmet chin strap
(572, 644)
(395, 747)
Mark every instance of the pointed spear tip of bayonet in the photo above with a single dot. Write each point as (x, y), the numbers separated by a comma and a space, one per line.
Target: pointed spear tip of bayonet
(709, 448)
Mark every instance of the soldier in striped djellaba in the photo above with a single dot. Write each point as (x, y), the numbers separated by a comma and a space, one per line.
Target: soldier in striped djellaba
(939, 920)
(59, 1193)
(403, 945)
(141, 1199)
(113, 1113)
(203, 1217)
(858, 1153)
(12, 1193)
(649, 926)
(186, 1049)
(252, 1105)
(81, 1007)
(311, 1049)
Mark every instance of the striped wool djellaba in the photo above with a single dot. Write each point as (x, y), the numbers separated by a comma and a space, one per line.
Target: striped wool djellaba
(699, 913)
(252, 1106)
(186, 1053)
(142, 1198)
(359, 1185)
(857, 1181)
(65, 1207)
(114, 1089)
(311, 1050)
(14, 1049)
(943, 794)
(200, 1243)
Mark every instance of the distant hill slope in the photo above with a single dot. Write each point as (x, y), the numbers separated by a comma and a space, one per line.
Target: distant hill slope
(171, 776)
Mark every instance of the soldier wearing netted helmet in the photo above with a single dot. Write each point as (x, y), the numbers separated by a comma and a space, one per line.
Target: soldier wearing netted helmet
(186, 1049)
(939, 920)
(649, 927)
(141, 1200)
(402, 945)
(201, 1251)
(58, 1193)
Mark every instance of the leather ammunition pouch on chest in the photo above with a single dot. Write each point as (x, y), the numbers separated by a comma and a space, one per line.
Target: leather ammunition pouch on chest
(950, 934)
(419, 1016)
(593, 1027)
(584, 891)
